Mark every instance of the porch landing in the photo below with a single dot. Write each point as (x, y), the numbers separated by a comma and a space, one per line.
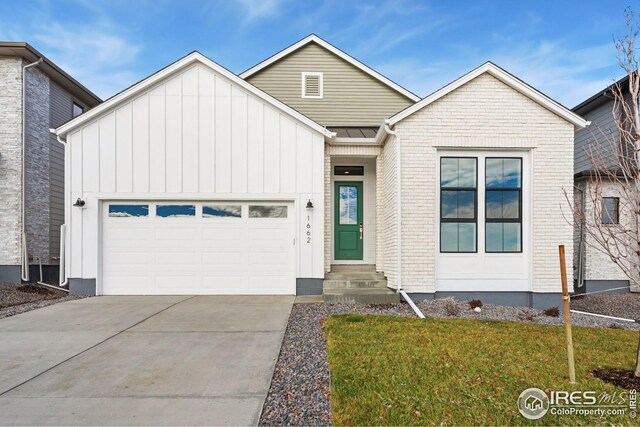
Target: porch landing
(357, 283)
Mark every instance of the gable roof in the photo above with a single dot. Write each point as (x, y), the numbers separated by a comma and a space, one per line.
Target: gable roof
(184, 62)
(312, 38)
(506, 78)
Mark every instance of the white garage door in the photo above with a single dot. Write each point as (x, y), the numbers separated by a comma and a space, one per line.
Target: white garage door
(178, 248)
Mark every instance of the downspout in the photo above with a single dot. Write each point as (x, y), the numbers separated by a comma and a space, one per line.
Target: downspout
(63, 233)
(396, 135)
(24, 275)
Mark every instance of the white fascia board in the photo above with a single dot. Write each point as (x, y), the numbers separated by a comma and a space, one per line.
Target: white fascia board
(331, 48)
(507, 79)
(188, 60)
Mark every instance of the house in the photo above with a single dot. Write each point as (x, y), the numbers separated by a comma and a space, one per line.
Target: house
(311, 173)
(35, 95)
(593, 269)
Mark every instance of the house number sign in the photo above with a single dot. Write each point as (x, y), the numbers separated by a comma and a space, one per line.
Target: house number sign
(308, 229)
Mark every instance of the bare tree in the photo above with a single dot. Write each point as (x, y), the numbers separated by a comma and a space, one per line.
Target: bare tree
(615, 156)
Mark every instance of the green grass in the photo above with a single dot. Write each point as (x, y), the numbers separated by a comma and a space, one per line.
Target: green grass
(407, 371)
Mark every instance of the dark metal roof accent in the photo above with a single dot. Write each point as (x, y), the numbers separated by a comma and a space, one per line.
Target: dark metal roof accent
(354, 131)
(601, 97)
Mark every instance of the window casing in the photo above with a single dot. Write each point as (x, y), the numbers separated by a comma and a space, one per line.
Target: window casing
(458, 204)
(610, 210)
(503, 204)
(312, 85)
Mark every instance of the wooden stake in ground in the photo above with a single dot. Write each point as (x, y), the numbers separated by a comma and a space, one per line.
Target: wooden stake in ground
(567, 315)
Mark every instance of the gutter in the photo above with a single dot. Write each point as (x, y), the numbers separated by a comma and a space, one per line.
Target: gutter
(396, 135)
(24, 274)
(63, 280)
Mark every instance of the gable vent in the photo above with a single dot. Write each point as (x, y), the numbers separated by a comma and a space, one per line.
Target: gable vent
(312, 85)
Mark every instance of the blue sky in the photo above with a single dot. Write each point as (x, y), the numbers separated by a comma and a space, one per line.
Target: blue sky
(563, 48)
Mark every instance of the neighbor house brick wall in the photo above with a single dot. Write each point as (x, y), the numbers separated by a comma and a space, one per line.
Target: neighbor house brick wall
(10, 159)
(484, 114)
(38, 142)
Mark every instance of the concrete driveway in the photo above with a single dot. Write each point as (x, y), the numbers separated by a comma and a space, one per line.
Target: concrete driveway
(156, 360)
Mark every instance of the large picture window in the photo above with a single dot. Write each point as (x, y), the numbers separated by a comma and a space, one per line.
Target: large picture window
(458, 204)
(503, 204)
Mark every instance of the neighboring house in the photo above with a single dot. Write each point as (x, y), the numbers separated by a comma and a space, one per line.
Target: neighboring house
(31, 160)
(593, 269)
(287, 180)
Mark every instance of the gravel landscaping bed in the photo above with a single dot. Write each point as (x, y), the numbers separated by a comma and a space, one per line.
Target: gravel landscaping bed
(16, 299)
(300, 387)
(622, 305)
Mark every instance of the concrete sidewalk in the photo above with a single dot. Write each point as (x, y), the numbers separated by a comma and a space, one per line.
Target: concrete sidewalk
(204, 360)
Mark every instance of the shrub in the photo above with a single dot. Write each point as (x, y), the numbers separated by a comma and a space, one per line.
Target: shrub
(552, 312)
(475, 303)
(451, 306)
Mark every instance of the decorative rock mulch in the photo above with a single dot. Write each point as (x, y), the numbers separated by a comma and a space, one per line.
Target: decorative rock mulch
(300, 388)
(16, 299)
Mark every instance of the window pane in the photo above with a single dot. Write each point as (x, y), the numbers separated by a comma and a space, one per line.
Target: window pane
(458, 172)
(511, 237)
(467, 237)
(175, 211)
(128, 210)
(503, 204)
(494, 237)
(267, 211)
(503, 237)
(77, 110)
(348, 205)
(449, 237)
(503, 173)
(458, 204)
(457, 237)
(610, 210)
(232, 211)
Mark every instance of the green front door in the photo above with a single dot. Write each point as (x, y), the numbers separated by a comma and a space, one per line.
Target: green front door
(348, 220)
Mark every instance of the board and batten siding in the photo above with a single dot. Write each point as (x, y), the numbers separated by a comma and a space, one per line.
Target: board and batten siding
(351, 97)
(194, 136)
(602, 128)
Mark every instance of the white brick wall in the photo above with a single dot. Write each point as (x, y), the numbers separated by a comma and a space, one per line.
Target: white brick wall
(598, 265)
(482, 114)
(10, 159)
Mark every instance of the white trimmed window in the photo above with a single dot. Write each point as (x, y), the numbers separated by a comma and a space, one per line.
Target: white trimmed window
(312, 85)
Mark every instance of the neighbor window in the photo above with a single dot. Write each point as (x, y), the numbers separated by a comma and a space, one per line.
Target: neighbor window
(77, 109)
(312, 85)
(503, 204)
(175, 211)
(257, 211)
(128, 210)
(458, 204)
(610, 210)
(229, 211)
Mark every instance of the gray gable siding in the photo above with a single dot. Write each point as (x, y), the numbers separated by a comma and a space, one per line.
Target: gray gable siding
(60, 111)
(351, 97)
(596, 136)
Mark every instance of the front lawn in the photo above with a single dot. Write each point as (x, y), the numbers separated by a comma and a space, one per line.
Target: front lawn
(407, 371)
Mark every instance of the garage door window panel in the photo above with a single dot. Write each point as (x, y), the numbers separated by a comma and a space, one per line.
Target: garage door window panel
(266, 211)
(175, 211)
(128, 211)
(221, 211)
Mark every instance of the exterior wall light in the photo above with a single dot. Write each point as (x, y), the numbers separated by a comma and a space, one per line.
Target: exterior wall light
(79, 203)
(310, 205)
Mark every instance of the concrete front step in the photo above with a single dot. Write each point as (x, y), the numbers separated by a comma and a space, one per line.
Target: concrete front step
(364, 296)
(354, 284)
(353, 268)
(354, 276)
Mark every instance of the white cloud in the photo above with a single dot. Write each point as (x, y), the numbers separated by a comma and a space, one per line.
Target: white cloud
(97, 53)
(566, 74)
(260, 8)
